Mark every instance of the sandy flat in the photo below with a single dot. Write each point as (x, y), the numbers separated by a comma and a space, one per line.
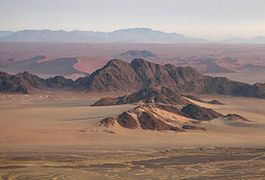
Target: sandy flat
(68, 120)
(195, 163)
(56, 136)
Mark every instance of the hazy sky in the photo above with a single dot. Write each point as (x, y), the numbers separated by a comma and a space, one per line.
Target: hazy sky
(213, 19)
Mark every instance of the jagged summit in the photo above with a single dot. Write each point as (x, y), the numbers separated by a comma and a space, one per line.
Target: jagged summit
(115, 62)
(117, 75)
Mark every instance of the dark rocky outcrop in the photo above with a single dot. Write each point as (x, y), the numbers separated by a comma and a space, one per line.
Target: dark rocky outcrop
(193, 97)
(168, 108)
(108, 122)
(215, 102)
(26, 83)
(233, 117)
(162, 95)
(149, 121)
(118, 75)
(192, 127)
(126, 120)
(59, 82)
(199, 113)
(9, 83)
(236, 120)
(152, 117)
(167, 116)
(256, 90)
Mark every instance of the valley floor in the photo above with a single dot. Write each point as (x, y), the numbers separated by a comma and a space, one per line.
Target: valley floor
(196, 163)
(56, 135)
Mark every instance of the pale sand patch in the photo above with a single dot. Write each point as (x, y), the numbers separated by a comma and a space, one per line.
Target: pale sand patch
(60, 120)
(167, 115)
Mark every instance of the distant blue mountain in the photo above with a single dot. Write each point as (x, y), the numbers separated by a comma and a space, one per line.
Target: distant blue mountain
(5, 33)
(255, 40)
(131, 35)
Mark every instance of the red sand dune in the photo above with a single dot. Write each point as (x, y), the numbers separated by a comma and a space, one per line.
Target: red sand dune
(93, 56)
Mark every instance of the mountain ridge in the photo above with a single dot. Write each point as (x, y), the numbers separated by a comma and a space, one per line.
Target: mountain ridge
(146, 95)
(118, 75)
(27, 83)
(129, 35)
(254, 40)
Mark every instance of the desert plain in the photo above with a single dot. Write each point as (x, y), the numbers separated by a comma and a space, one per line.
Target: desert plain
(132, 90)
(56, 135)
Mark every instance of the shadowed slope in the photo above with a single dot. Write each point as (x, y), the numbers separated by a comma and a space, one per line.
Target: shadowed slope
(200, 113)
(148, 95)
(121, 76)
(26, 83)
(118, 75)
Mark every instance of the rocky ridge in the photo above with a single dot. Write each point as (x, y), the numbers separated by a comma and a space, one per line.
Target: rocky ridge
(120, 76)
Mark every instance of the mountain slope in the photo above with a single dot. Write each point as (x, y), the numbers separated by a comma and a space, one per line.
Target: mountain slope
(162, 109)
(148, 95)
(168, 117)
(118, 75)
(26, 83)
(152, 117)
(121, 76)
(200, 113)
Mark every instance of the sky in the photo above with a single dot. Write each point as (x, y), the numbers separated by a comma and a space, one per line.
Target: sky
(211, 19)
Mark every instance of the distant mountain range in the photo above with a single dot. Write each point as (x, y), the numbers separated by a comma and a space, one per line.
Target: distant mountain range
(255, 40)
(130, 35)
(5, 33)
(120, 76)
